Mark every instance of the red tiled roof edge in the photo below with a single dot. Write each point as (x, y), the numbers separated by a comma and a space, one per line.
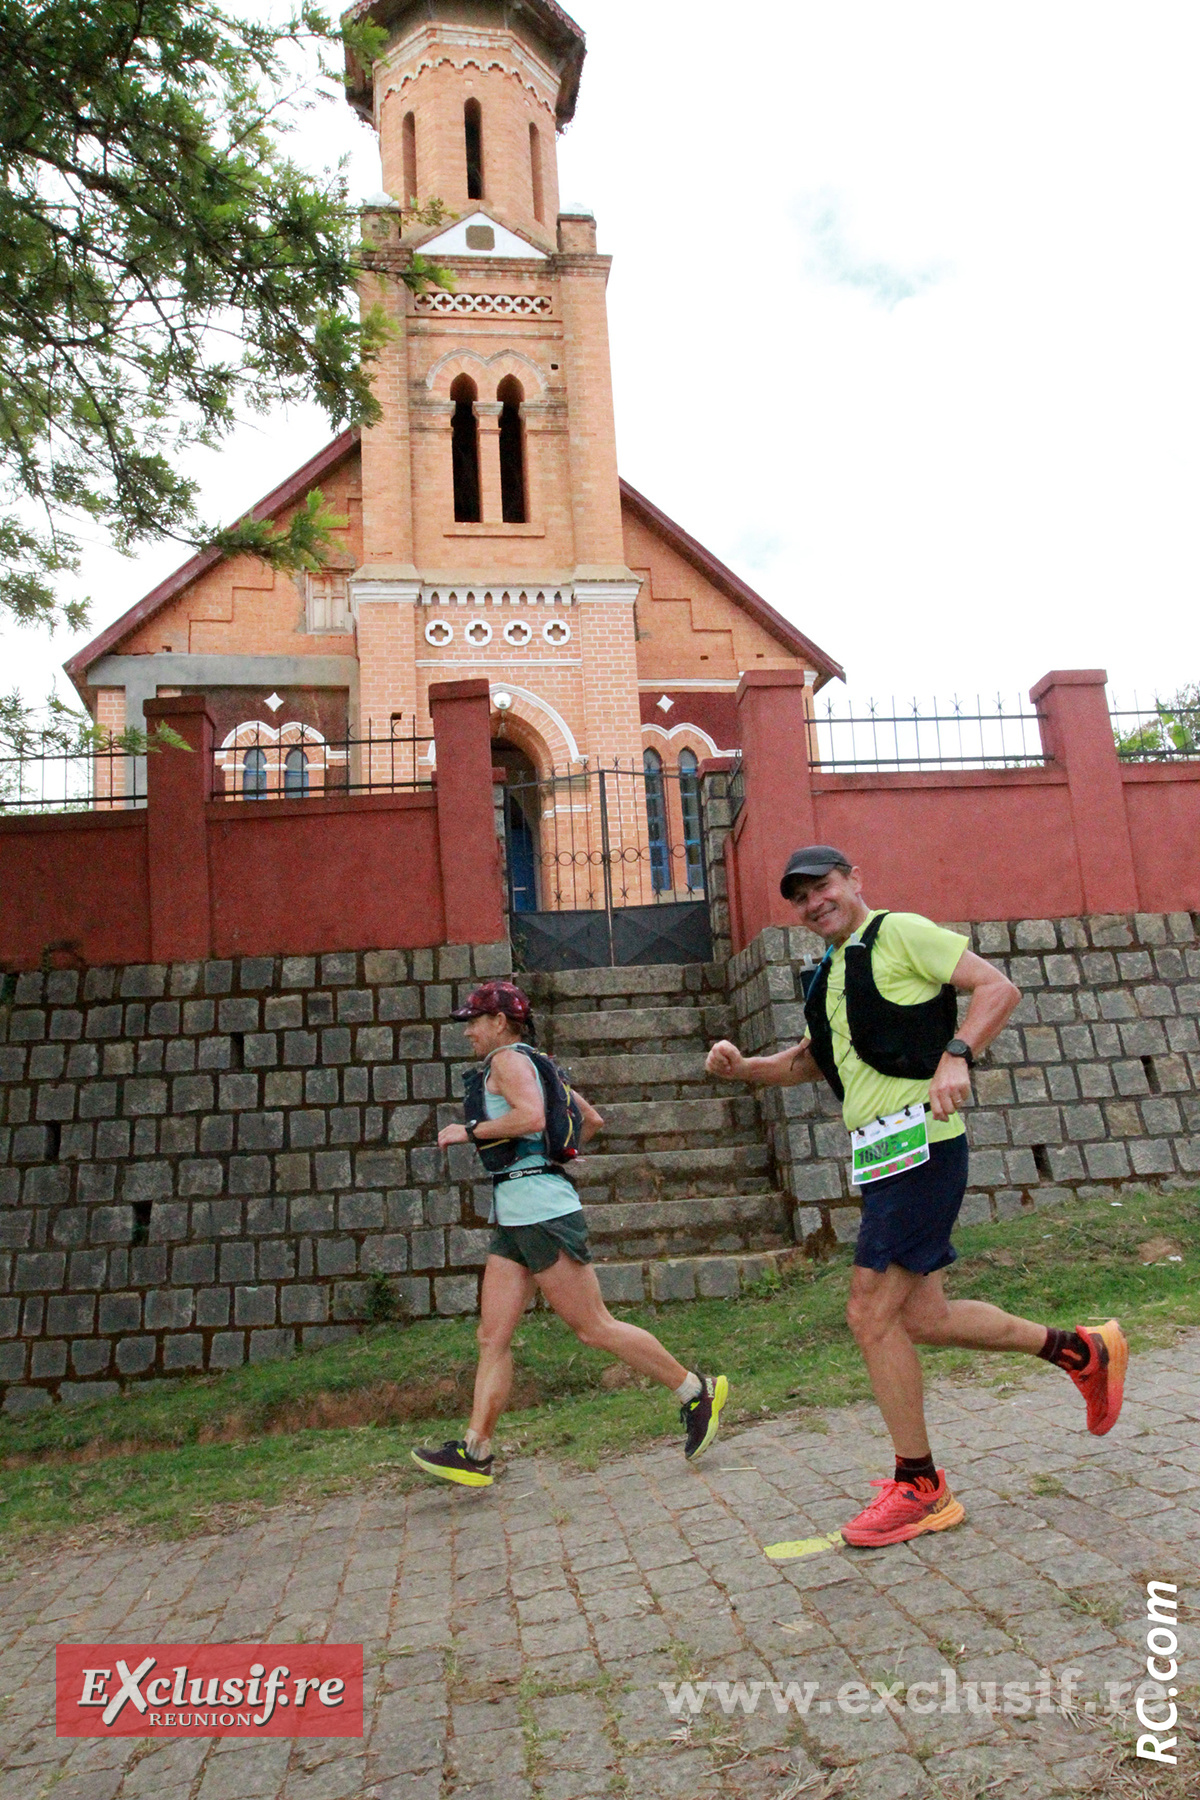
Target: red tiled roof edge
(294, 488)
(724, 578)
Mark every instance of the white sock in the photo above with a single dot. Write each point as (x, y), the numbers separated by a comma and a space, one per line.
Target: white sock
(689, 1389)
(478, 1448)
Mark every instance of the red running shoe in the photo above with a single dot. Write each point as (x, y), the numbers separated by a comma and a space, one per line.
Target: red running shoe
(1102, 1382)
(904, 1512)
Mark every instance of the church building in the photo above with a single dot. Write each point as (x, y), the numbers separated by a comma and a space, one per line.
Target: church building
(488, 532)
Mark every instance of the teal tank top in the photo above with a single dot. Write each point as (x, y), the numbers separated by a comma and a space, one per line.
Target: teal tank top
(528, 1199)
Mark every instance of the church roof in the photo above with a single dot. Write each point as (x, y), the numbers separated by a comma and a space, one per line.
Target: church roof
(733, 586)
(318, 466)
(286, 494)
(557, 28)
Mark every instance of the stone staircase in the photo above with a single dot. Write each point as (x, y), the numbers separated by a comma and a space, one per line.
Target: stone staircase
(679, 1192)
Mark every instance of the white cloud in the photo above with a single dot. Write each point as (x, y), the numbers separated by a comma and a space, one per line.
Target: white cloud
(831, 257)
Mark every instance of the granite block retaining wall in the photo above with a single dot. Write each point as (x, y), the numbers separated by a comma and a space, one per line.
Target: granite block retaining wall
(205, 1163)
(1093, 1086)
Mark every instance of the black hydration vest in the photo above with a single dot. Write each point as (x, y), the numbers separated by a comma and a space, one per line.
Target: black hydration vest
(905, 1041)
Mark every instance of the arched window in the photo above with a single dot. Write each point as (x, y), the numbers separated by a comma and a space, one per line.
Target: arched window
(254, 775)
(473, 128)
(465, 451)
(689, 806)
(295, 773)
(535, 170)
(408, 137)
(656, 822)
(512, 452)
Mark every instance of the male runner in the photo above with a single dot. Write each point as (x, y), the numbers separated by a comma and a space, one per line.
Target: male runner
(881, 1016)
(541, 1241)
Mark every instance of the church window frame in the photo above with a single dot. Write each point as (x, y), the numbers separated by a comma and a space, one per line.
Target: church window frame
(254, 773)
(295, 774)
(688, 766)
(464, 452)
(514, 478)
(657, 839)
(473, 146)
(536, 181)
(408, 144)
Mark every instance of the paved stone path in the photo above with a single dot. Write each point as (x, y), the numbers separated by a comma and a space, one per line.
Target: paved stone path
(516, 1640)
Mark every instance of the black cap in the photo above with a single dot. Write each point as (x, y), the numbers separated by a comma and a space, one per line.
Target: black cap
(813, 861)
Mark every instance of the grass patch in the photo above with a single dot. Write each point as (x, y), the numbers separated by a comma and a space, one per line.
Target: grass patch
(203, 1453)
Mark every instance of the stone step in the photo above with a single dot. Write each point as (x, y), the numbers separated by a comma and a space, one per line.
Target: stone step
(627, 1077)
(712, 1277)
(672, 1174)
(696, 981)
(662, 1118)
(724, 1222)
(631, 1025)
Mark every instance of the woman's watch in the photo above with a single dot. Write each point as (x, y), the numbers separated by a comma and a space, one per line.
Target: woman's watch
(470, 1130)
(960, 1047)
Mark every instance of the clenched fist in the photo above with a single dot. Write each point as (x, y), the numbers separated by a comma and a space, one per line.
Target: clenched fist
(726, 1061)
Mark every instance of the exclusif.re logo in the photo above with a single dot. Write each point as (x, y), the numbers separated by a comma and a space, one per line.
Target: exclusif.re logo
(209, 1690)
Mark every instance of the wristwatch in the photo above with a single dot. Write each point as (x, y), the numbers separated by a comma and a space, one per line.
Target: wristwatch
(959, 1047)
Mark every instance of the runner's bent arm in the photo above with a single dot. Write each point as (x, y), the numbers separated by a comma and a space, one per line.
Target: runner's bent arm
(592, 1122)
(993, 1000)
(787, 1068)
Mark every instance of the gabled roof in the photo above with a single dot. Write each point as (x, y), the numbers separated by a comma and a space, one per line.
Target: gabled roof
(287, 494)
(732, 585)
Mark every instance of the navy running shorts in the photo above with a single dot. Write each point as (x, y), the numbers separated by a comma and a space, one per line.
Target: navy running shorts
(908, 1218)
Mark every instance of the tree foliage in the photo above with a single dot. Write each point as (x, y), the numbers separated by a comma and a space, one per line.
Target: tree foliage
(1172, 729)
(164, 270)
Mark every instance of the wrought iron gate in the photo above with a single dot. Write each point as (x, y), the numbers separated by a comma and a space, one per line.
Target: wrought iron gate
(606, 867)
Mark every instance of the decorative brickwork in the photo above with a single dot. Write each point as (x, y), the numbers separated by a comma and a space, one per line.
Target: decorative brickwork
(1093, 1085)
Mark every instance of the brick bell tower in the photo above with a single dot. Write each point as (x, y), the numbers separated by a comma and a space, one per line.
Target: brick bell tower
(492, 532)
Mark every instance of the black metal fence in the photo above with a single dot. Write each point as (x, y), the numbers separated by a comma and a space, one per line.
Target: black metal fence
(1158, 731)
(606, 866)
(297, 762)
(44, 777)
(924, 736)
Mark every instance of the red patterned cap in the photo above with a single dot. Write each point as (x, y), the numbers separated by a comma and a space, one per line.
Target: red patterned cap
(495, 997)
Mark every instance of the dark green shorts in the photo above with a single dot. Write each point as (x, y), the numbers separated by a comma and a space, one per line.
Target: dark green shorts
(536, 1247)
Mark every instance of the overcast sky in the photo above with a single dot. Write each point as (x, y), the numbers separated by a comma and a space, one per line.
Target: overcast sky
(904, 325)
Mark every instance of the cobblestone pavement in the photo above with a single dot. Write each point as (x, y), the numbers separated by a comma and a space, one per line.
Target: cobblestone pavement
(515, 1639)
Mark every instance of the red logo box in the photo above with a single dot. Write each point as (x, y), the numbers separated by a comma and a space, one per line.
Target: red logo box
(209, 1690)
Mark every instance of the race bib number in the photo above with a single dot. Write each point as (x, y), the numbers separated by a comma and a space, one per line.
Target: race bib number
(889, 1146)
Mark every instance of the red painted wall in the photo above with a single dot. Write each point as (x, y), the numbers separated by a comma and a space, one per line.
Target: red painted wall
(957, 844)
(1162, 805)
(75, 878)
(303, 876)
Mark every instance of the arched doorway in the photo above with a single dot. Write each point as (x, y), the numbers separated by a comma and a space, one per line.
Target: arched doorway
(521, 809)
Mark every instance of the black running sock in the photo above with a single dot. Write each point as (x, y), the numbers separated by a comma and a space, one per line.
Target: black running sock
(1066, 1350)
(917, 1472)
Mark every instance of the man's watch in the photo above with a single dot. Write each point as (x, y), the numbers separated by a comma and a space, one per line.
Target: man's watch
(959, 1047)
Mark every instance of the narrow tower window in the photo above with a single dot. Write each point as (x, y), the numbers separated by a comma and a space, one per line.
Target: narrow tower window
(512, 452)
(473, 123)
(535, 170)
(254, 775)
(465, 451)
(409, 143)
(295, 773)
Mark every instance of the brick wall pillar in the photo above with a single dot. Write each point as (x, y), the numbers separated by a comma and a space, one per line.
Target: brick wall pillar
(779, 815)
(178, 783)
(1077, 733)
(491, 503)
(472, 889)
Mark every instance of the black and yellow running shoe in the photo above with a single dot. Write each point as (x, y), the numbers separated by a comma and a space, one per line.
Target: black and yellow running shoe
(451, 1463)
(702, 1416)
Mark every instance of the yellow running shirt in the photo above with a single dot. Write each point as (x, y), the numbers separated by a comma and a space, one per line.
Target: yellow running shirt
(911, 960)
